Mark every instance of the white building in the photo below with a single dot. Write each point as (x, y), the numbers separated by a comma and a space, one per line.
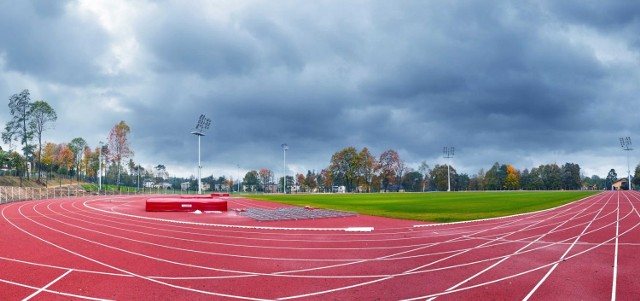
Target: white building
(185, 185)
(163, 185)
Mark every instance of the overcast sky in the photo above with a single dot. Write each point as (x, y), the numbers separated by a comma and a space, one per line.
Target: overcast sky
(518, 82)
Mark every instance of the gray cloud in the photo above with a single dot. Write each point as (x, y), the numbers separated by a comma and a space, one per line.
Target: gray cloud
(41, 39)
(502, 81)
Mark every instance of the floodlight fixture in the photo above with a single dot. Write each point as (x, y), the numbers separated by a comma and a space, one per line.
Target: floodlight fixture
(203, 124)
(285, 147)
(448, 152)
(625, 143)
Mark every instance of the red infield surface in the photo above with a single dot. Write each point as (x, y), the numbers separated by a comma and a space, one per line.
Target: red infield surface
(110, 248)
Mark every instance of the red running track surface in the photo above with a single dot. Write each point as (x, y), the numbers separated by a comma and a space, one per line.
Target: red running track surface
(110, 248)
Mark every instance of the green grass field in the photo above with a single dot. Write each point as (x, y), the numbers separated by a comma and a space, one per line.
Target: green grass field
(434, 207)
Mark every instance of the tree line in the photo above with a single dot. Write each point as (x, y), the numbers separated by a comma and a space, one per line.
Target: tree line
(356, 171)
(361, 171)
(111, 162)
(30, 119)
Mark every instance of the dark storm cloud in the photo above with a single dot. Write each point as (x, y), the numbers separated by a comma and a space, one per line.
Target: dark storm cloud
(255, 119)
(209, 51)
(184, 41)
(604, 15)
(497, 70)
(281, 87)
(39, 39)
(614, 18)
(501, 80)
(479, 74)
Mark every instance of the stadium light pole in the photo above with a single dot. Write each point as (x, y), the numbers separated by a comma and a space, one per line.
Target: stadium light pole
(202, 125)
(626, 145)
(100, 168)
(448, 154)
(138, 178)
(239, 175)
(285, 147)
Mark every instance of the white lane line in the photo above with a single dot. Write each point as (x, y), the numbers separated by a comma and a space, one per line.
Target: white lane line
(349, 262)
(536, 268)
(166, 246)
(529, 227)
(127, 222)
(61, 267)
(281, 273)
(513, 276)
(50, 291)
(409, 229)
(576, 215)
(242, 273)
(414, 270)
(563, 257)
(615, 256)
(108, 265)
(362, 229)
(46, 286)
(120, 249)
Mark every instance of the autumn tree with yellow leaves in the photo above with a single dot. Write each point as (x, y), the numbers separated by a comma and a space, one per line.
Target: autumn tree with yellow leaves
(512, 180)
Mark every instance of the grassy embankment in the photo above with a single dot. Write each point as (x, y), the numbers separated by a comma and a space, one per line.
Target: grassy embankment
(434, 207)
(33, 182)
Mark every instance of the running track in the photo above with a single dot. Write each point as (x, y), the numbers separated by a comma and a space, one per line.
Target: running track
(110, 248)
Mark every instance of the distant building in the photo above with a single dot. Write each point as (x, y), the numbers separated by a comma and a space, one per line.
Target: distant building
(163, 185)
(185, 186)
(618, 184)
(205, 186)
(338, 189)
(271, 187)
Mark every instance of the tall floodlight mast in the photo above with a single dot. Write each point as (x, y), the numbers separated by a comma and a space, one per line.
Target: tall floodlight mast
(201, 127)
(100, 168)
(285, 147)
(626, 145)
(447, 152)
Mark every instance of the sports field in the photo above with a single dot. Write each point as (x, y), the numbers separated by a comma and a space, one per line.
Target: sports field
(434, 206)
(111, 248)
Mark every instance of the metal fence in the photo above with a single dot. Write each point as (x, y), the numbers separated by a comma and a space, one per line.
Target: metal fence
(9, 194)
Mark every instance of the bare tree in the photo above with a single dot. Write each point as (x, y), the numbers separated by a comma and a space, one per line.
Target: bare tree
(119, 146)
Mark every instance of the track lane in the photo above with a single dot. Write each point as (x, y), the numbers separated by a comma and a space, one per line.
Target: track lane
(398, 260)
